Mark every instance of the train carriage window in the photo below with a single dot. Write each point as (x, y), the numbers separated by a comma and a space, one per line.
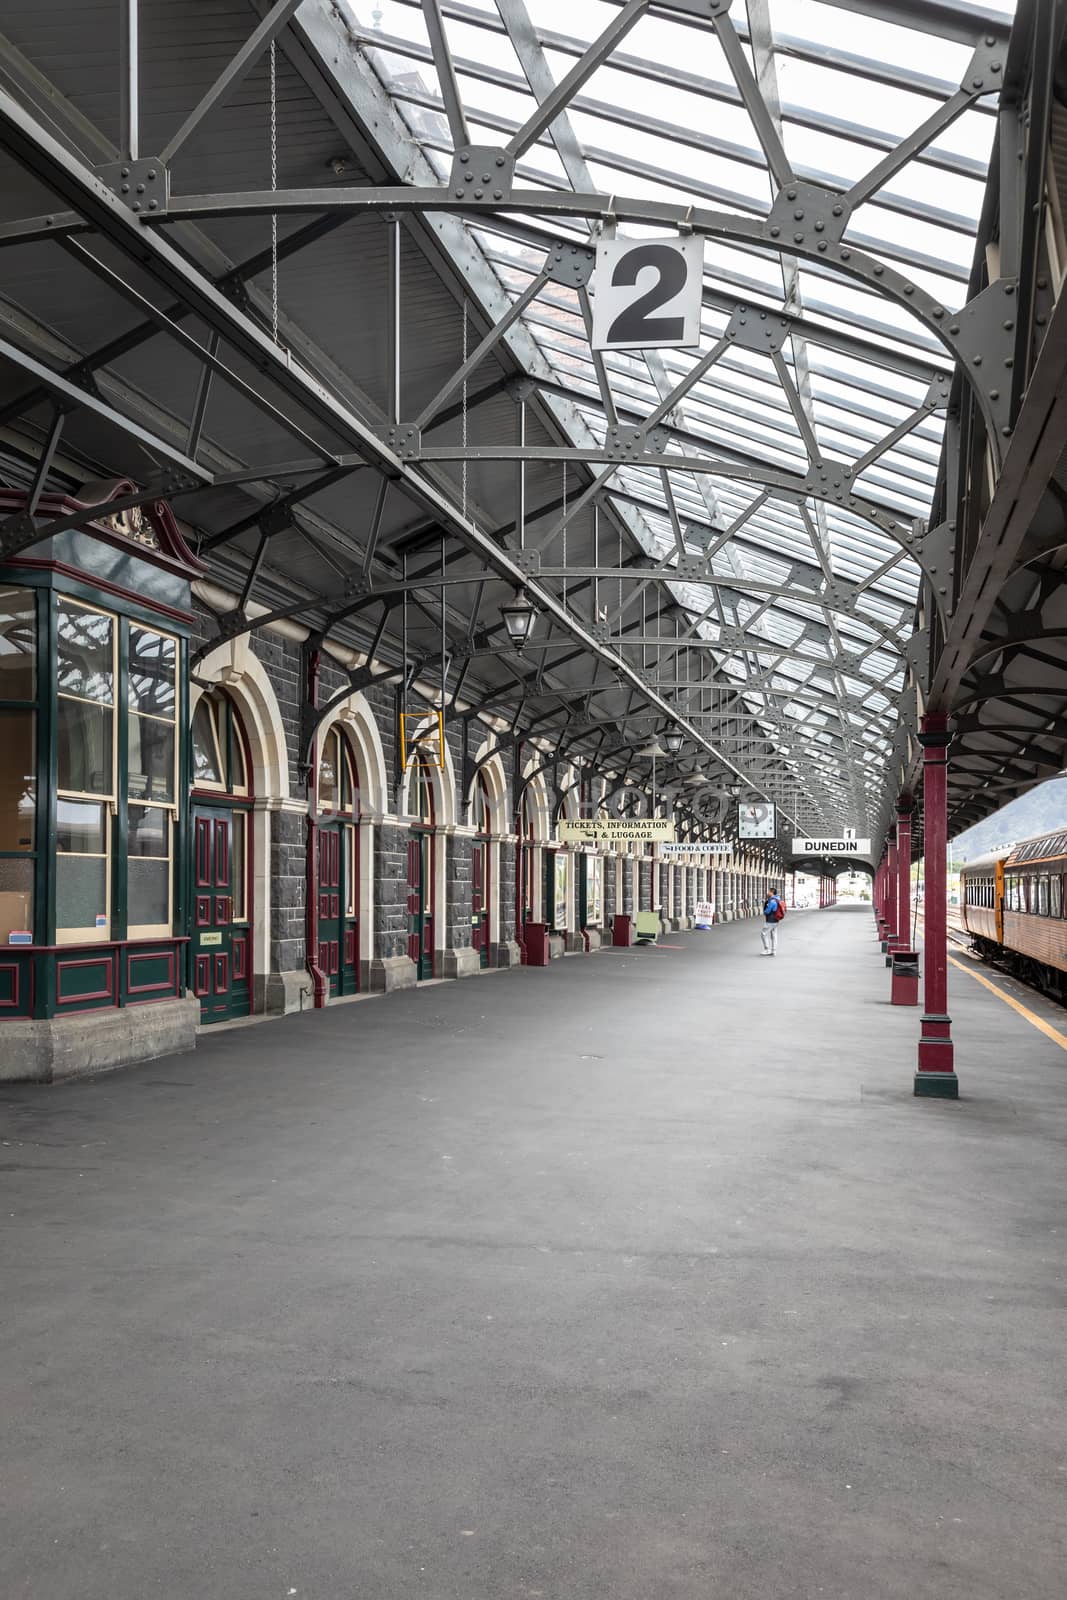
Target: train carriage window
(1059, 901)
(1041, 901)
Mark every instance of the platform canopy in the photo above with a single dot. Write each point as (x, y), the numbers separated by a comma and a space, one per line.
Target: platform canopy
(326, 275)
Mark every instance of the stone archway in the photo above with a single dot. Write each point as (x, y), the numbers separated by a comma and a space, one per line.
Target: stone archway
(276, 816)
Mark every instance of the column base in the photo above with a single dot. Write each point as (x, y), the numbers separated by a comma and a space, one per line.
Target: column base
(507, 954)
(387, 973)
(937, 1085)
(279, 993)
(464, 962)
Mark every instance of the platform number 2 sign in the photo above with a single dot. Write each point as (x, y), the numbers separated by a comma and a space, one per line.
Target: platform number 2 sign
(647, 293)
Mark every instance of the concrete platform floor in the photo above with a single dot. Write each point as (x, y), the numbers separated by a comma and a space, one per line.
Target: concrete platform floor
(641, 1278)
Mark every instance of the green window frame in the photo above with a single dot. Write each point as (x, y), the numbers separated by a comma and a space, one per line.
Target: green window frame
(20, 844)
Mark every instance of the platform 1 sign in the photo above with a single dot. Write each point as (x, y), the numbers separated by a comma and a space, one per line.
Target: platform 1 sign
(832, 847)
(615, 830)
(647, 293)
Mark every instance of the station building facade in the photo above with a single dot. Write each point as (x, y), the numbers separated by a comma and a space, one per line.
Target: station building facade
(196, 829)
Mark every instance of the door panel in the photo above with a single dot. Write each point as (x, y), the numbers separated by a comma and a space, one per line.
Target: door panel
(480, 900)
(221, 947)
(420, 904)
(338, 941)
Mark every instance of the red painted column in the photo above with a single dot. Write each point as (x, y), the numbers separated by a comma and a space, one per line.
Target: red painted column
(905, 807)
(936, 1075)
(890, 938)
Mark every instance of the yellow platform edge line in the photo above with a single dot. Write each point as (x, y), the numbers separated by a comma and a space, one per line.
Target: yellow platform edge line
(1016, 1005)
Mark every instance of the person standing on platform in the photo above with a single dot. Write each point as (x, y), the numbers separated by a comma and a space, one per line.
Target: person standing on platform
(773, 912)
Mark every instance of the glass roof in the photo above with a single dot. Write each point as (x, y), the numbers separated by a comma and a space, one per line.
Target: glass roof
(668, 115)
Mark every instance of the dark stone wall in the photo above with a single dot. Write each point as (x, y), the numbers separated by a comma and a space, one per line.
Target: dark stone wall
(390, 891)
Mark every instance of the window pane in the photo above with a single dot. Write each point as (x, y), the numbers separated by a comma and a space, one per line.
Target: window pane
(350, 872)
(16, 898)
(18, 780)
(151, 682)
(148, 892)
(328, 775)
(83, 738)
(148, 831)
(238, 777)
(18, 644)
(84, 657)
(151, 758)
(205, 751)
(81, 891)
(81, 828)
(238, 849)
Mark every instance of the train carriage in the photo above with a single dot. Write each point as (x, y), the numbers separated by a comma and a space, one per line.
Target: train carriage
(1014, 906)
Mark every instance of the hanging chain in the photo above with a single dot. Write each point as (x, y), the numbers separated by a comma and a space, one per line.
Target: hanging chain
(466, 311)
(274, 189)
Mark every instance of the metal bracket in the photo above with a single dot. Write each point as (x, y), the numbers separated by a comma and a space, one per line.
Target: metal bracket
(985, 70)
(937, 396)
(482, 172)
(600, 632)
(570, 264)
(17, 533)
(805, 214)
(935, 552)
(622, 444)
(527, 561)
(692, 569)
(983, 332)
(403, 438)
(762, 331)
(519, 389)
(699, 8)
(275, 519)
(144, 185)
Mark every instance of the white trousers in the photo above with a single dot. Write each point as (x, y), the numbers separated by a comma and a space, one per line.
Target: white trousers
(769, 936)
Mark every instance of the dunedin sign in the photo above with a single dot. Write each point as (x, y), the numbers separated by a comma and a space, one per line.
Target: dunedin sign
(831, 847)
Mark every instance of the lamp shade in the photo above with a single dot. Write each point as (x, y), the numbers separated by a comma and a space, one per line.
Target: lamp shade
(519, 617)
(674, 741)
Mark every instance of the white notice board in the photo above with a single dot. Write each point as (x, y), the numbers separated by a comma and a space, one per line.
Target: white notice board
(647, 293)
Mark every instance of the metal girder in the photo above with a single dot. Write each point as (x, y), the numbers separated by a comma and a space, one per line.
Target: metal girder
(418, 482)
(806, 241)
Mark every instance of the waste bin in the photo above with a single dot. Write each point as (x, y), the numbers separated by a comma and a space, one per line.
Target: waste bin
(905, 987)
(535, 938)
(621, 926)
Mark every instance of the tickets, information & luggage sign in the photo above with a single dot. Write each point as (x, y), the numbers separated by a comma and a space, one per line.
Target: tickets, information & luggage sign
(616, 830)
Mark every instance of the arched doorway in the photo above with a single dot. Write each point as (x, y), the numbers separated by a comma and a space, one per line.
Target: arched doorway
(421, 874)
(481, 869)
(337, 888)
(222, 822)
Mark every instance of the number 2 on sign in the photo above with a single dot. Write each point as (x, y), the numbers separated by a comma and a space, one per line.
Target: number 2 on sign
(637, 278)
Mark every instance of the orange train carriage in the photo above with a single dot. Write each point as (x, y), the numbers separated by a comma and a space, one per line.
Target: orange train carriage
(1014, 906)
